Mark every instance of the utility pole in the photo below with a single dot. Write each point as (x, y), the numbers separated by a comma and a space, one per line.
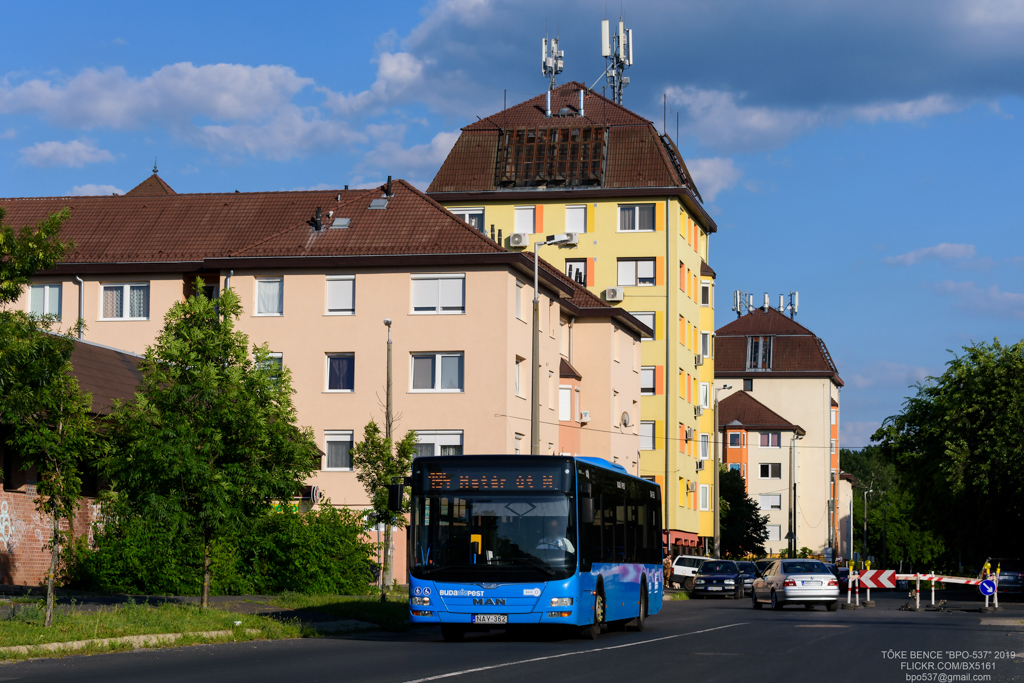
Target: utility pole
(388, 419)
(792, 492)
(864, 546)
(718, 467)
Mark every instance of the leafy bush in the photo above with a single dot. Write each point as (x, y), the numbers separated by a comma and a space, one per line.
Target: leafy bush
(321, 551)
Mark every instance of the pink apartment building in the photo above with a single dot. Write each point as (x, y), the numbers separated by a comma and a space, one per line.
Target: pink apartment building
(318, 272)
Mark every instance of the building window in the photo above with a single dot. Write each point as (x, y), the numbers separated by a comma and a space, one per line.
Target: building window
(647, 436)
(734, 440)
(771, 470)
(339, 450)
(734, 467)
(519, 375)
(774, 532)
(705, 395)
(45, 300)
(705, 497)
(519, 444)
(437, 372)
(116, 296)
(705, 293)
(647, 319)
(705, 446)
(564, 404)
(270, 296)
(474, 217)
(576, 218)
(576, 270)
(341, 294)
(771, 439)
(525, 219)
(833, 416)
(772, 501)
(519, 299)
(647, 381)
(636, 272)
(759, 353)
(273, 365)
(705, 344)
(833, 451)
(341, 372)
(431, 443)
(748, 385)
(576, 415)
(439, 294)
(636, 217)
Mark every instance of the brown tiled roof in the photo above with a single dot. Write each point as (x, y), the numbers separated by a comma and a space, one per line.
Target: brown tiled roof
(743, 408)
(153, 186)
(637, 157)
(566, 370)
(796, 351)
(107, 374)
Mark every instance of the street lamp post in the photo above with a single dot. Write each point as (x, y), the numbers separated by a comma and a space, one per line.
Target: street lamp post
(792, 492)
(864, 546)
(718, 494)
(569, 240)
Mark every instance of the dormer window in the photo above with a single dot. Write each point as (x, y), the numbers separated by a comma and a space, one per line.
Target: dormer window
(759, 353)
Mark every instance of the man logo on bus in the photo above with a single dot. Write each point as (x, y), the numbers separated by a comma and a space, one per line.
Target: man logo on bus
(535, 592)
(489, 601)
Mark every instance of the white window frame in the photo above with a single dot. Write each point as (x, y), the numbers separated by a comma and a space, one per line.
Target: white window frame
(576, 415)
(438, 438)
(336, 435)
(705, 286)
(653, 325)
(705, 344)
(519, 300)
(774, 532)
(636, 217)
(327, 294)
(769, 440)
(438, 355)
(705, 497)
(519, 443)
(705, 446)
(652, 371)
(648, 439)
(636, 271)
(566, 415)
(834, 411)
(705, 395)
(439, 310)
(769, 466)
(256, 292)
(125, 298)
(464, 213)
(577, 207)
(728, 440)
(832, 446)
(522, 211)
(327, 373)
(277, 355)
(519, 376)
(46, 287)
(772, 497)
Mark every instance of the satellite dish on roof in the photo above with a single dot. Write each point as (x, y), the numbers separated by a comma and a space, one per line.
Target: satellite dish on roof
(626, 420)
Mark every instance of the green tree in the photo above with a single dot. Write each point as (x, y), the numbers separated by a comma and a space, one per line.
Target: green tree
(743, 528)
(211, 436)
(377, 461)
(48, 421)
(957, 449)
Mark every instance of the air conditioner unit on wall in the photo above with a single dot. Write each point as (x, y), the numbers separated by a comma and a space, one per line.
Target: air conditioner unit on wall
(689, 433)
(691, 487)
(584, 416)
(520, 240)
(698, 411)
(614, 294)
(698, 359)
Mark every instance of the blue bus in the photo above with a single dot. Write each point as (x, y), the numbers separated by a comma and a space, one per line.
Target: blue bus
(503, 541)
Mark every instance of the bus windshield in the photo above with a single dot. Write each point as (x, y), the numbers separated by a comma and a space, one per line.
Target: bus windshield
(493, 536)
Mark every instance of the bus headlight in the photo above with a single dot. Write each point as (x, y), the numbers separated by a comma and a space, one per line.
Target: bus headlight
(561, 602)
(422, 602)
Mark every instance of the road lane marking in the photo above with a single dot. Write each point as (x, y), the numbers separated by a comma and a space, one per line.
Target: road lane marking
(822, 626)
(569, 654)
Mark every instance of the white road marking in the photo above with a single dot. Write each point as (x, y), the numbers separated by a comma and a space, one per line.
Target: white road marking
(569, 654)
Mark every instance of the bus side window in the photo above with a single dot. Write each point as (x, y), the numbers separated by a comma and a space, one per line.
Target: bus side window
(589, 533)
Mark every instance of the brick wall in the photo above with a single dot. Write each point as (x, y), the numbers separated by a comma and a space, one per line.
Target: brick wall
(24, 535)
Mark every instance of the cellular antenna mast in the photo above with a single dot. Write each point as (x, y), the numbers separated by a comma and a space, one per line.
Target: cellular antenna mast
(551, 60)
(617, 51)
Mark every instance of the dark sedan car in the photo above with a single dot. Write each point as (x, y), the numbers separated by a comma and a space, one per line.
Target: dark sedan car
(841, 573)
(1011, 574)
(749, 571)
(762, 565)
(719, 577)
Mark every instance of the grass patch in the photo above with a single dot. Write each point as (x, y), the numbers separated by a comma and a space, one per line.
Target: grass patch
(681, 595)
(26, 626)
(392, 615)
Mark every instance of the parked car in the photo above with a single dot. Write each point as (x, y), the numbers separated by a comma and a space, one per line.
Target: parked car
(796, 582)
(719, 577)
(749, 570)
(684, 568)
(841, 573)
(1011, 574)
(762, 565)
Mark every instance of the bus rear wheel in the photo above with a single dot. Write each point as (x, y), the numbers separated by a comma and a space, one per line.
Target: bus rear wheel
(641, 619)
(452, 633)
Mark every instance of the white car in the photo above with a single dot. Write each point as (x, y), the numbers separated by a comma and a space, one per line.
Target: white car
(684, 568)
(796, 582)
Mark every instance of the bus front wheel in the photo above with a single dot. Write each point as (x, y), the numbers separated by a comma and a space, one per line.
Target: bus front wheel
(592, 631)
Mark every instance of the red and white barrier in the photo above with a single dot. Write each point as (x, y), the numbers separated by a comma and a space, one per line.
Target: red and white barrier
(887, 578)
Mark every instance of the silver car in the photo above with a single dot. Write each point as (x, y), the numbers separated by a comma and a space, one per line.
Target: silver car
(796, 582)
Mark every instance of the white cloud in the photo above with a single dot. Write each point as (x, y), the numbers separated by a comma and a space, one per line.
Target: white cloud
(396, 73)
(977, 301)
(940, 252)
(888, 373)
(90, 190)
(856, 434)
(8, 134)
(714, 175)
(292, 132)
(76, 153)
(391, 155)
(933, 105)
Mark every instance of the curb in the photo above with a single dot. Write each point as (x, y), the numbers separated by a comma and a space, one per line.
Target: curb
(134, 641)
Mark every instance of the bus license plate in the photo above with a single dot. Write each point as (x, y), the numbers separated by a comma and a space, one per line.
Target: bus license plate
(490, 618)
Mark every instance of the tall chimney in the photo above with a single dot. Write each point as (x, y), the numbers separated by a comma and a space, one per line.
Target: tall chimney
(581, 103)
(547, 108)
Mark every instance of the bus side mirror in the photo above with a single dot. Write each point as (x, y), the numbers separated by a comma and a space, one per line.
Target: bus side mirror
(474, 547)
(395, 492)
(586, 510)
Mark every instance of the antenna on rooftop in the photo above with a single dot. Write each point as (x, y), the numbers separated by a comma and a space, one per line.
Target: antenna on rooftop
(154, 165)
(551, 59)
(745, 300)
(618, 53)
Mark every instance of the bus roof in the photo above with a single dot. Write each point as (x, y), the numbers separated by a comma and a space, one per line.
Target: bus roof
(595, 462)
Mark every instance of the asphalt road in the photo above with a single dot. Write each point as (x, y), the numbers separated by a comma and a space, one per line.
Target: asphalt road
(696, 640)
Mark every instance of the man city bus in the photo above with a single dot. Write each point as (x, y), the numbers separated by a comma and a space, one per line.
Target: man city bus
(502, 541)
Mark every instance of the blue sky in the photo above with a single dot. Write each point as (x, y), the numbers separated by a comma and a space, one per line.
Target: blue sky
(864, 153)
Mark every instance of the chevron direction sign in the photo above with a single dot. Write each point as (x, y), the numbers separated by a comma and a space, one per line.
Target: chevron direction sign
(878, 578)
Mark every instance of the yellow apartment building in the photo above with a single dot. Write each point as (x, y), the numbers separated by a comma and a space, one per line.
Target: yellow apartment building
(585, 165)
